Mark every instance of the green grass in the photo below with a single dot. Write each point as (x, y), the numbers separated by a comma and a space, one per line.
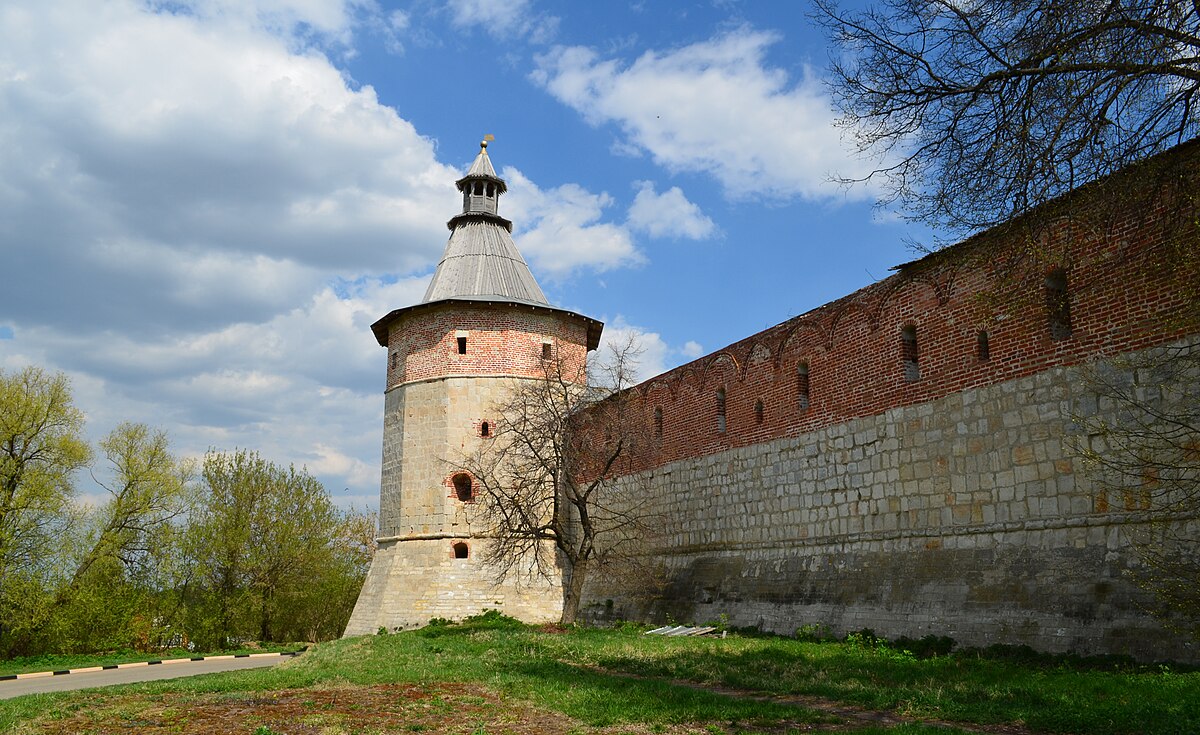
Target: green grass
(61, 662)
(585, 675)
(1048, 698)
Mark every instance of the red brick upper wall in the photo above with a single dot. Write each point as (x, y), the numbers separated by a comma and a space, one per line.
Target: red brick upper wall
(1120, 299)
(502, 339)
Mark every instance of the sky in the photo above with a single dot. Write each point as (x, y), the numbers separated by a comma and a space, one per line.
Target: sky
(204, 204)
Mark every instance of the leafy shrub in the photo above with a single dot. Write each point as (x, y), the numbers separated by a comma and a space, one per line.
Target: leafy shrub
(492, 619)
(928, 646)
(865, 638)
(814, 633)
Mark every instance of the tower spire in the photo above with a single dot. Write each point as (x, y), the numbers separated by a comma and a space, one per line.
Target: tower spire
(481, 261)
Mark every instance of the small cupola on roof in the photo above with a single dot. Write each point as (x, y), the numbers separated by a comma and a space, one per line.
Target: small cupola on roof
(481, 187)
(481, 261)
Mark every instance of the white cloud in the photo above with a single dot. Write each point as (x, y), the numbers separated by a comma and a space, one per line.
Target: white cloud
(714, 107)
(655, 356)
(327, 20)
(397, 23)
(302, 387)
(504, 18)
(133, 142)
(691, 350)
(199, 219)
(559, 231)
(669, 214)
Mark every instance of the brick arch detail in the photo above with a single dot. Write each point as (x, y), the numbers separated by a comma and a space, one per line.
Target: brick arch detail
(714, 364)
(843, 316)
(792, 345)
(452, 486)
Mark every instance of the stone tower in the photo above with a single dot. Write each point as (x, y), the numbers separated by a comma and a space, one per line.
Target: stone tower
(483, 326)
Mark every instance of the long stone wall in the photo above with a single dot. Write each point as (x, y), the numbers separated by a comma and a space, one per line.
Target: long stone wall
(969, 516)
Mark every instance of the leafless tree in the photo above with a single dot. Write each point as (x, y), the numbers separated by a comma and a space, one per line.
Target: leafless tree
(547, 489)
(1140, 438)
(980, 110)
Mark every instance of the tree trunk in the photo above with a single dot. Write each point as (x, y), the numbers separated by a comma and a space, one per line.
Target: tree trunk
(264, 634)
(573, 591)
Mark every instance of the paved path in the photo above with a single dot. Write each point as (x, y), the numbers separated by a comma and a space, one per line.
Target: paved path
(127, 674)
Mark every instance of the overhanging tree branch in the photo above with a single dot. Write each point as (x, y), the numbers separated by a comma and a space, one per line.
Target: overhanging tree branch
(981, 111)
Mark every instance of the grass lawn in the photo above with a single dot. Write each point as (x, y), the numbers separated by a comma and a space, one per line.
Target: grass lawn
(493, 676)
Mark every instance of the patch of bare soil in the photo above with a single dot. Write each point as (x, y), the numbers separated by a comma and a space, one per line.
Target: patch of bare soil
(382, 709)
(851, 716)
(434, 709)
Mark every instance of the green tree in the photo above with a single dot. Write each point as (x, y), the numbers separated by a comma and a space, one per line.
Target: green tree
(41, 448)
(258, 536)
(116, 573)
(319, 609)
(146, 488)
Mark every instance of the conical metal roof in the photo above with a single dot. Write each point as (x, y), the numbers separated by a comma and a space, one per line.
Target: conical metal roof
(481, 261)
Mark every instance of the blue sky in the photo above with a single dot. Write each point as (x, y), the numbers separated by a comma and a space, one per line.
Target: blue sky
(205, 203)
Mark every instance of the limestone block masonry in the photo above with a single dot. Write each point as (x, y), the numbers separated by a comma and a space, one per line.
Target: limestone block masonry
(968, 516)
(415, 575)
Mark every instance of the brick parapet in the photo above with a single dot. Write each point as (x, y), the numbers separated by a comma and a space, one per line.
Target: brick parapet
(1120, 301)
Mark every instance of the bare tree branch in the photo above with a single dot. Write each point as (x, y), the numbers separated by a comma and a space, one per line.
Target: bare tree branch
(1139, 435)
(547, 484)
(984, 110)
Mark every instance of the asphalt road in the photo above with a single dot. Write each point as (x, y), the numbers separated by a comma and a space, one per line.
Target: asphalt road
(123, 675)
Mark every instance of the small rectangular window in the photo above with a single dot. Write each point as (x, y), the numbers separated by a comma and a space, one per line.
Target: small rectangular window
(908, 344)
(462, 345)
(1058, 304)
(802, 399)
(547, 350)
(983, 349)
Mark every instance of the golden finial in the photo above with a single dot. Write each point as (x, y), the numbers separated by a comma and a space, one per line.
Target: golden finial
(483, 143)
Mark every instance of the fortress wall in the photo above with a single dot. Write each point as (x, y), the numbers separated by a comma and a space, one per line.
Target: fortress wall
(953, 503)
(967, 516)
(854, 352)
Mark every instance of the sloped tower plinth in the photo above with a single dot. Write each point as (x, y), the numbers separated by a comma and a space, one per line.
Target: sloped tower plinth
(483, 327)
